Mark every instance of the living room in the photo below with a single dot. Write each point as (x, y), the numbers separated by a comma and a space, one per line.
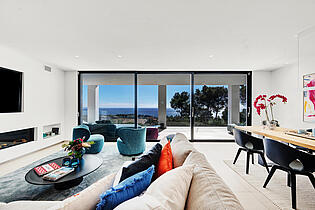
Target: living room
(163, 72)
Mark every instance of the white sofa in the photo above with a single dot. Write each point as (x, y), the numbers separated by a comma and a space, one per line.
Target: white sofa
(213, 194)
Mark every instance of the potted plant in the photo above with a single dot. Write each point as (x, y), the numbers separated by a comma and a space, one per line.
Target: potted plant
(263, 103)
(76, 149)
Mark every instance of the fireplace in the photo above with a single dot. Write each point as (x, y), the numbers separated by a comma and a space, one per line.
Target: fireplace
(14, 138)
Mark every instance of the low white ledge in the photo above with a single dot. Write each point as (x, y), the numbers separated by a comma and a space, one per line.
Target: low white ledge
(17, 151)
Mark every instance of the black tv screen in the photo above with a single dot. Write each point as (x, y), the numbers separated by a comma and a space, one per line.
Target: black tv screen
(10, 91)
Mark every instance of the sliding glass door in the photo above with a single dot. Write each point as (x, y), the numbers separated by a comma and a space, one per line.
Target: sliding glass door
(219, 100)
(198, 104)
(164, 103)
(108, 98)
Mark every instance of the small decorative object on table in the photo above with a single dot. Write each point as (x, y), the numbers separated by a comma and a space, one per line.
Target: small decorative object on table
(76, 151)
(59, 173)
(262, 103)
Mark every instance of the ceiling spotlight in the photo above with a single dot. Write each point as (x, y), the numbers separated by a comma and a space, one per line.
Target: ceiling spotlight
(76, 56)
(119, 56)
(211, 56)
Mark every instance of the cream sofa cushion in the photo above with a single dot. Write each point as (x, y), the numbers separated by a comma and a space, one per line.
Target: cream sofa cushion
(181, 147)
(163, 141)
(198, 159)
(207, 189)
(87, 198)
(29, 205)
(144, 202)
(169, 191)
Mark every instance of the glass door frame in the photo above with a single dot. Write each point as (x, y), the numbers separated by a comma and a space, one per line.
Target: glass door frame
(192, 75)
(248, 101)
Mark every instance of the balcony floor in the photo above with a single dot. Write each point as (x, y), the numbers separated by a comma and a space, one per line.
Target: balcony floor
(201, 133)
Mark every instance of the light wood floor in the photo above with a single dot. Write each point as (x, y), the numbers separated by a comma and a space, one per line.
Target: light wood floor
(215, 152)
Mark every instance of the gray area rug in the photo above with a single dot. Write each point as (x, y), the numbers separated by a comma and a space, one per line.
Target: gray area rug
(13, 186)
(277, 190)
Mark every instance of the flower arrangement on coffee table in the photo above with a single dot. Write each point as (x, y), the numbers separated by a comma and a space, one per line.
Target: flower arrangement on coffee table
(76, 147)
(264, 103)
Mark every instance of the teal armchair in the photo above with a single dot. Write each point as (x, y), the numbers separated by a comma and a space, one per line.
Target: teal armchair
(131, 141)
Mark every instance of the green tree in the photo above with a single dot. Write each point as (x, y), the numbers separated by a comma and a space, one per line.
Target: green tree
(180, 102)
(213, 99)
(243, 94)
(208, 101)
(225, 115)
(243, 117)
(243, 102)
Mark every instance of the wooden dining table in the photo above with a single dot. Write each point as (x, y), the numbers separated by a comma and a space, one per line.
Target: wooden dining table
(280, 134)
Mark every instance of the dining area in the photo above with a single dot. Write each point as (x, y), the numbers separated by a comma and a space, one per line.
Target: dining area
(278, 149)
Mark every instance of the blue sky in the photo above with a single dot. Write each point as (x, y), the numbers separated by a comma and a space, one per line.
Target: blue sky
(122, 96)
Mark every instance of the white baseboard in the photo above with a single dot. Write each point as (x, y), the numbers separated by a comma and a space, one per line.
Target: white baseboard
(17, 151)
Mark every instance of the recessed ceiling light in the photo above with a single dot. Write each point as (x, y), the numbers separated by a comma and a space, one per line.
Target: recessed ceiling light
(119, 56)
(211, 56)
(77, 56)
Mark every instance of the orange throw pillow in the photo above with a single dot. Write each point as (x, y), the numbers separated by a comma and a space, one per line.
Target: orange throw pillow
(166, 160)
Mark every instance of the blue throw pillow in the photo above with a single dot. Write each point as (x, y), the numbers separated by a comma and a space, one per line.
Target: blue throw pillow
(125, 190)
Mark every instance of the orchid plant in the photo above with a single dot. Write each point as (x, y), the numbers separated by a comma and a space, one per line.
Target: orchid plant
(263, 103)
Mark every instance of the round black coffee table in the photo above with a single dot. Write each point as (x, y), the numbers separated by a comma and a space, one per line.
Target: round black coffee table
(88, 164)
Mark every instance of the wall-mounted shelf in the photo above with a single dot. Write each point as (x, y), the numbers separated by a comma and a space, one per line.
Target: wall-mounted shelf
(51, 130)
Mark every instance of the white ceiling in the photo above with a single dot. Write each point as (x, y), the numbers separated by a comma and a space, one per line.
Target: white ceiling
(156, 34)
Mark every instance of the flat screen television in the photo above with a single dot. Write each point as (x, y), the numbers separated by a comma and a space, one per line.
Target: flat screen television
(10, 90)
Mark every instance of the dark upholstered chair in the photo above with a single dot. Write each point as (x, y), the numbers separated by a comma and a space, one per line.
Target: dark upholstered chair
(152, 133)
(105, 128)
(251, 145)
(290, 160)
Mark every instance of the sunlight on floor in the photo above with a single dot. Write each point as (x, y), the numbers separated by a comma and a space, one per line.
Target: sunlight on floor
(201, 133)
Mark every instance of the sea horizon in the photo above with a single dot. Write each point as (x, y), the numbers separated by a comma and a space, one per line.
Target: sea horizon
(141, 111)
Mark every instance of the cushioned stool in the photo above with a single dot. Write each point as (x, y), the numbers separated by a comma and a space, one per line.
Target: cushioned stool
(98, 140)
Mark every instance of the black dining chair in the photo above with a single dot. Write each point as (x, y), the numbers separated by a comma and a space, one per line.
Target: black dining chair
(251, 145)
(290, 160)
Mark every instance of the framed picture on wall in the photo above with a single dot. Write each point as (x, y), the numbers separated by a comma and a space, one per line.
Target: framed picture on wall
(309, 80)
(309, 105)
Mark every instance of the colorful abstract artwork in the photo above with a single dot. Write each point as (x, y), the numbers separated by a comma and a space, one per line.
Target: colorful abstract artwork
(309, 80)
(309, 105)
(309, 97)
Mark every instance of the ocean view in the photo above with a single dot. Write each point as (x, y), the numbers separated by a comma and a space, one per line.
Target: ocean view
(141, 111)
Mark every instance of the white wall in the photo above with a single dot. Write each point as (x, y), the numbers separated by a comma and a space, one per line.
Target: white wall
(71, 102)
(261, 84)
(285, 82)
(288, 81)
(43, 94)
